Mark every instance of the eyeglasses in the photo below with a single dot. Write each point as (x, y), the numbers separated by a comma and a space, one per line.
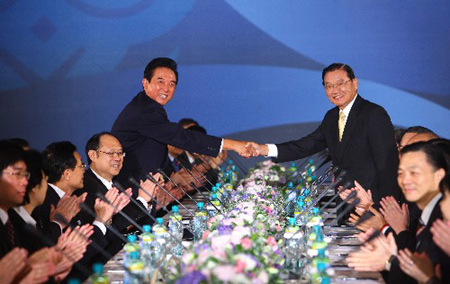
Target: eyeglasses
(339, 85)
(18, 175)
(111, 154)
(83, 166)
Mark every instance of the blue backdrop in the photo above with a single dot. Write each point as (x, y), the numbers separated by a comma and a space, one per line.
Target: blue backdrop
(69, 67)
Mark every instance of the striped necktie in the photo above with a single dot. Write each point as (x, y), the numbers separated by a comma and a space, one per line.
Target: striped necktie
(10, 232)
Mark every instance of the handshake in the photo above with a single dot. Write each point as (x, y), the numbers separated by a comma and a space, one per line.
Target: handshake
(246, 149)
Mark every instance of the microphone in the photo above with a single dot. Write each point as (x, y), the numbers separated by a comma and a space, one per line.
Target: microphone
(176, 185)
(206, 198)
(335, 183)
(102, 197)
(111, 228)
(353, 203)
(190, 173)
(152, 179)
(336, 195)
(132, 180)
(216, 171)
(221, 203)
(98, 248)
(345, 211)
(364, 217)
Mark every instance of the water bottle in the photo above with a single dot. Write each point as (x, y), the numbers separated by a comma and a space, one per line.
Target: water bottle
(98, 277)
(291, 240)
(320, 258)
(176, 230)
(148, 250)
(135, 272)
(228, 190)
(314, 219)
(130, 246)
(214, 205)
(160, 234)
(199, 221)
(291, 199)
(321, 276)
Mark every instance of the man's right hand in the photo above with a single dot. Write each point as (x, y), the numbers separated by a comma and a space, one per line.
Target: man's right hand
(67, 207)
(255, 149)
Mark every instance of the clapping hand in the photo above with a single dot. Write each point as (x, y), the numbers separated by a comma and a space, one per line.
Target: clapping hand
(418, 266)
(397, 217)
(441, 232)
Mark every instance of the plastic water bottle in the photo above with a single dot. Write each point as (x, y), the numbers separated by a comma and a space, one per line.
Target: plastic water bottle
(213, 205)
(199, 221)
(320, 258)
(148, 249)
(135, 266)
(176, 230)
(291, 199)
(321, 276)
(98, 277)
(291, 239)
(130, 246)
(160, 234)
(228, 190)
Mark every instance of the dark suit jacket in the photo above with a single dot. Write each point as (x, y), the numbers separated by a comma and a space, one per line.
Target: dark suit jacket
(367, 151)
(144, 131)
(42, 216)
(423, 243)
(92, 185)
(30, 238)
(5, 245)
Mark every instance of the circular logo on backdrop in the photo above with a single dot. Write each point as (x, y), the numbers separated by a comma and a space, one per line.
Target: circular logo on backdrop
(108, 12)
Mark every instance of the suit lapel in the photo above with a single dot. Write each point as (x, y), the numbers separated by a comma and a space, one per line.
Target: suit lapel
(349, 127)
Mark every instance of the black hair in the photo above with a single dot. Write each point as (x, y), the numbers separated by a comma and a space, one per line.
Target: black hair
(10, 154)
(398, 133)
(22, 143)
(160, 62)
(197, 128)
(58, 157)
(33, 159)
(94, 143)
(338, 66)
(419, 130)
(434, 154)
(187, 121)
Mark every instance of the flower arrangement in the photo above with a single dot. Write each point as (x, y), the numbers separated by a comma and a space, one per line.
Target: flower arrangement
(240, 245)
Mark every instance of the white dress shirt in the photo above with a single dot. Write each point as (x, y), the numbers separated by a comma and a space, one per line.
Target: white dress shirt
(273, 150)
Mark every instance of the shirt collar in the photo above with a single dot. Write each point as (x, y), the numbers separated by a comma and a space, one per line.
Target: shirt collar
(426, 213)
(347, 109)
(25, 215)
(190, 157)
(171, 158)
(105, 182)
(3, 216)
(58, 190)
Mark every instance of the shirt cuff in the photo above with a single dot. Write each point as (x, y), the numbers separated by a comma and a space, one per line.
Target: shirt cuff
(221, 145)
(384, 229)
(101, 226)
(143, 201)
(273, 151)
(60, 226)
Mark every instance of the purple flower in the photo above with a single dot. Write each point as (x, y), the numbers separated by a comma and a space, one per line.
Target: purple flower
(193, 277)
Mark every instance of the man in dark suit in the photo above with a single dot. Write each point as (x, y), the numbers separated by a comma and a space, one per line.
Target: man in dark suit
(13, 182)
(145, 131)
(105, 158)
(359, 135)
